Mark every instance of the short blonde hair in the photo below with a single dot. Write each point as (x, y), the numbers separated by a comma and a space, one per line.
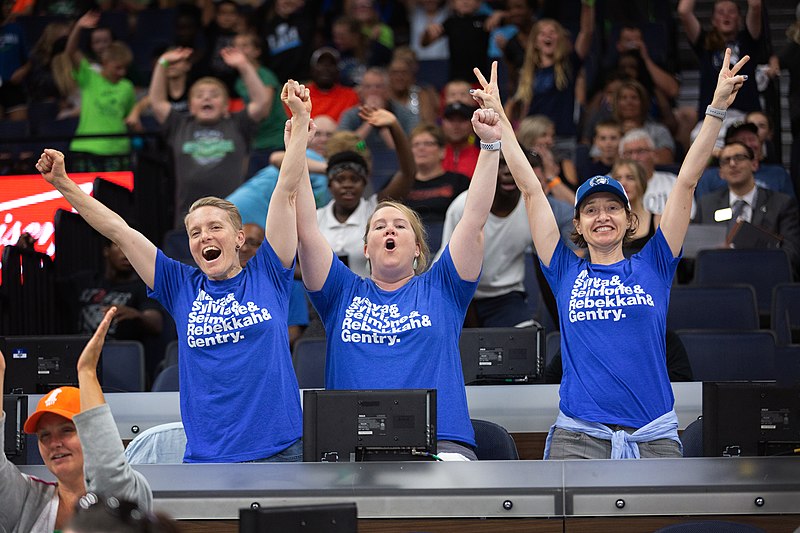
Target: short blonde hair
(209, 80)
(118, 52)
(417, 226)
(212, 201)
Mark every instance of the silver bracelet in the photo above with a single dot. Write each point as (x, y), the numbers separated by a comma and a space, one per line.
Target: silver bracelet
(492, 147)
(716, 113)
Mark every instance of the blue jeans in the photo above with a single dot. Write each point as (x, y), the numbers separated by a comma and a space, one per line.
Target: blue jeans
(292, 454)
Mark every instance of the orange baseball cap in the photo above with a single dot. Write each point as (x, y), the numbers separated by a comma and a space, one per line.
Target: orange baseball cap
(64, 401)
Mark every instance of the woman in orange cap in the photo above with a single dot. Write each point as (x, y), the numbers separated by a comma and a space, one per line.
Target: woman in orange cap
(80, 445)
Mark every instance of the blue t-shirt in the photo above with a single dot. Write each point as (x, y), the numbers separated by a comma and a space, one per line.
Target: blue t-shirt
(239, 395)
(402, 339)
(613, 325)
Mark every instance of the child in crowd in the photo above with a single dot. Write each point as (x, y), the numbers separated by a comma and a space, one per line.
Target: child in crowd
(210, 146)
(604, 151)
(106, 99)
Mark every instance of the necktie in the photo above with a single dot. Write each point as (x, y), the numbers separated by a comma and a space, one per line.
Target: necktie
(736, 211)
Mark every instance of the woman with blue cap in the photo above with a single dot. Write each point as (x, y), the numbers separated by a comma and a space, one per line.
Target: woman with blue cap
(616, 398)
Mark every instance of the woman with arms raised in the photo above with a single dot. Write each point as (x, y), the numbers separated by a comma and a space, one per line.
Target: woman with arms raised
(239, 396)
(399, 327)
(616, 398)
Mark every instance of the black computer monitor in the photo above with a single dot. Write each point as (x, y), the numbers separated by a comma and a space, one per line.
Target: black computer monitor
(322, 518)
(37, 365)
(369, 425)
(16, 408)
(750, 419)
(497, 356)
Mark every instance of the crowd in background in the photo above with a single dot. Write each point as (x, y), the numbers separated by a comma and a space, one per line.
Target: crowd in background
(591, 87)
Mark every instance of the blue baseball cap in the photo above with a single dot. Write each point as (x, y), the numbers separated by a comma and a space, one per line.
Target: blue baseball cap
(601, 184)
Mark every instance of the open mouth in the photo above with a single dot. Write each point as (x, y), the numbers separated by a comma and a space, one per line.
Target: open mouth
(58, 456)
(390, 244)
(211, 252)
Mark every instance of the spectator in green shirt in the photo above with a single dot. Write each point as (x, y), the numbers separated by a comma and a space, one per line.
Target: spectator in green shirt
(106, 99)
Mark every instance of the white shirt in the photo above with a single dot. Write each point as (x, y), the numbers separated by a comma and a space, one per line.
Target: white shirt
(505, 241)
(658, 188)
(347, 238)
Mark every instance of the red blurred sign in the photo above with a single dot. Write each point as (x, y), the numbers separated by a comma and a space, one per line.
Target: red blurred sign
(28, 204)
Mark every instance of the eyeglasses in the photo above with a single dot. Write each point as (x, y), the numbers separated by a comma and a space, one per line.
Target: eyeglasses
(636, 152)
(738, 158)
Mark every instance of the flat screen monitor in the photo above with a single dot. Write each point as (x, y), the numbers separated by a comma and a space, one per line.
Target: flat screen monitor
(369, 425)
(750, 419)
(37, 365)
(323, 518)
(497, 356)
(16, 409)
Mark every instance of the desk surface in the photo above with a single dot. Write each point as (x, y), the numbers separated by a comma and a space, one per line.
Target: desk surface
(707, 486)
(518, 408)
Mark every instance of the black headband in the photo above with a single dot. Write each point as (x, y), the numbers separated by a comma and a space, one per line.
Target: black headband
(352, 166)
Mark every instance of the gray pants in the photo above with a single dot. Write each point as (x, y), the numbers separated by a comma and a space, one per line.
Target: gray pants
(570, 445)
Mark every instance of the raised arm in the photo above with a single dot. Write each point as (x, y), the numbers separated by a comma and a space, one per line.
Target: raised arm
(583, 41)
(139, 251)
(403, 180)
(259, 97)
(753, 19)
(159, 101)
(72, 49)
(281, 225)
(431, 34)
(688, 20)
(14, 488)
(466, 243)
(314, 251)
(662, 79)
(89, 385)
(544, 228)
(677, 211)
(105, 467)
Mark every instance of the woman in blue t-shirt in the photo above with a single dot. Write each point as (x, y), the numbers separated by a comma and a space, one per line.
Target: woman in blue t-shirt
(616, 398)
(399, 327)
(239, 396)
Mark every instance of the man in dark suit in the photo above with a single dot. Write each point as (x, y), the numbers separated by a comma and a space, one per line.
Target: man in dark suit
(770, 210)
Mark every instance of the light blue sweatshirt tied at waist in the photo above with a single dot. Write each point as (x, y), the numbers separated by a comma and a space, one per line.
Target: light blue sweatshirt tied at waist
(624, 445)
